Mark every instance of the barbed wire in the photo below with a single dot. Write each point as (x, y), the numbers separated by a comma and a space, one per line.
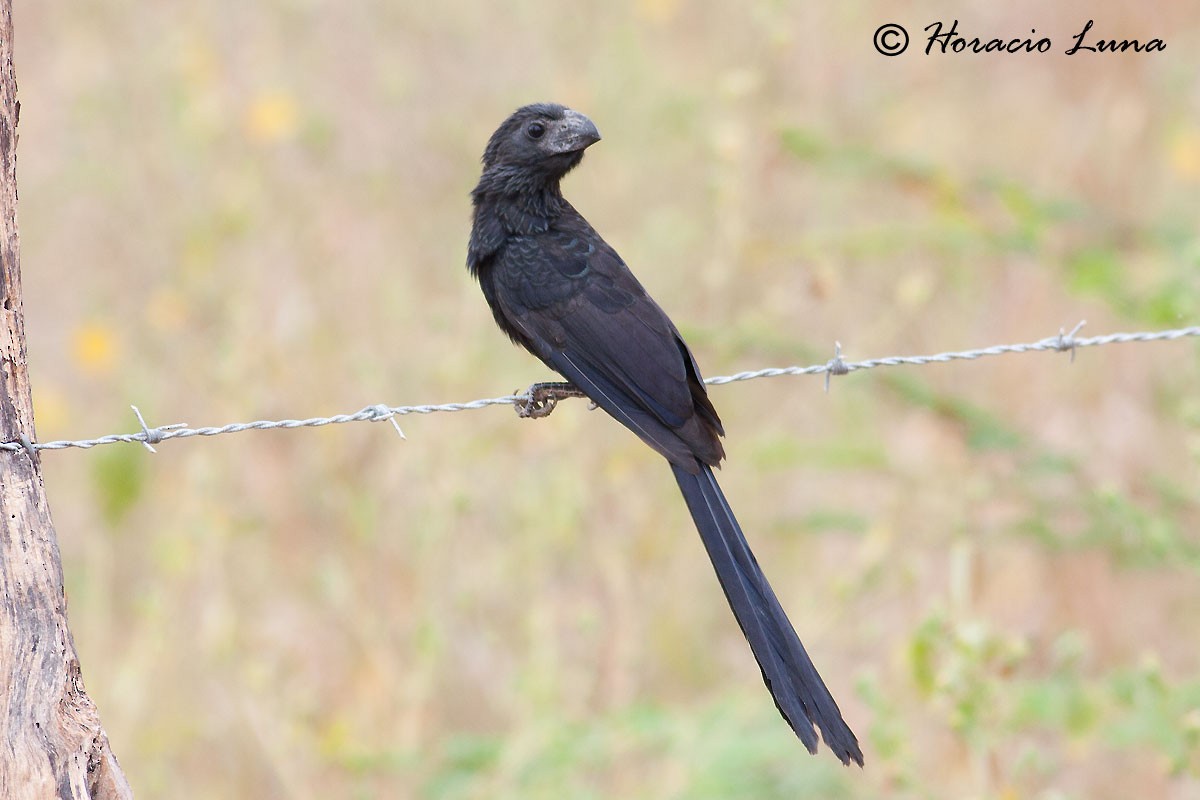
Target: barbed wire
(148, 437)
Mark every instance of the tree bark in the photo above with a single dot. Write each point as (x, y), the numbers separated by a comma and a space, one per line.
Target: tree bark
(53, 743)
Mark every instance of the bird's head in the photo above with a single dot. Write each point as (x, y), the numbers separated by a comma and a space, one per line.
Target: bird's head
(542, 141)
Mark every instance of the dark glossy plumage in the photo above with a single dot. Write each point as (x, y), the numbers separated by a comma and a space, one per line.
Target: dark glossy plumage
(558, 289)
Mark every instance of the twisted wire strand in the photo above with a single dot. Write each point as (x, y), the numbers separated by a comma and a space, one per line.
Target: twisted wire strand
(150, 436)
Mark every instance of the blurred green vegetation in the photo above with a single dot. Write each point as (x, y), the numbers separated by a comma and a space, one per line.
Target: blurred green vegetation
(237, 211)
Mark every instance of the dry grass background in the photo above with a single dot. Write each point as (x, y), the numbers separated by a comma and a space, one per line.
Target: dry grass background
(244, 210)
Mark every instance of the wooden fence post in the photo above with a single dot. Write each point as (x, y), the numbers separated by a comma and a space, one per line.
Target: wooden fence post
(51, 742)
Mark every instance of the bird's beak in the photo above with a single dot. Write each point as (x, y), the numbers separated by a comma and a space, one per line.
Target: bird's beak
(574, 134)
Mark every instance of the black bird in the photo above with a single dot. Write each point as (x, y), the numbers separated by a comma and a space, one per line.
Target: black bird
(560, 291)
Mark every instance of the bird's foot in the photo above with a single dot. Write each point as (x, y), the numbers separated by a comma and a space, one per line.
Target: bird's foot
(541, 398)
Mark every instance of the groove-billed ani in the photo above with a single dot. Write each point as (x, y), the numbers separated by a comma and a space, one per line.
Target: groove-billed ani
(559, 290)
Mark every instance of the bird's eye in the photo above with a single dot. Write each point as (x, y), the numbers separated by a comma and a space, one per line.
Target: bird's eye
(535, 130)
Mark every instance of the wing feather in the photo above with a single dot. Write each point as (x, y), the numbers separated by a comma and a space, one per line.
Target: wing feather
(586, 315)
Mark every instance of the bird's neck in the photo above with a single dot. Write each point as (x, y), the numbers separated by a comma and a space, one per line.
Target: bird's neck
(523, 202)
(508, 206)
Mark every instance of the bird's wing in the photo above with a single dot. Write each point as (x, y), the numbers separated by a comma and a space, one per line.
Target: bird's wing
(584, 313)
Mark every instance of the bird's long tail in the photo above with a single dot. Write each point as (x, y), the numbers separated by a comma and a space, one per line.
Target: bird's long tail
(799, 693)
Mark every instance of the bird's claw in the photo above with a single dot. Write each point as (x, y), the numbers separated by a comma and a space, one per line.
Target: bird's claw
(541, 398)
(534, 407)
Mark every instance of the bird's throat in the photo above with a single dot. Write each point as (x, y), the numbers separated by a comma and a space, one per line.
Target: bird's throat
(525, 213)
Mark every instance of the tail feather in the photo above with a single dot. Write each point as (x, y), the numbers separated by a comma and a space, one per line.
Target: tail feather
(797, 688)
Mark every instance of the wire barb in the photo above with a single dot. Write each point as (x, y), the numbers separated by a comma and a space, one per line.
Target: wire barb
(148, 437)
(835, 366)
(152, 436)
(1066, 341)
(381, 412)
